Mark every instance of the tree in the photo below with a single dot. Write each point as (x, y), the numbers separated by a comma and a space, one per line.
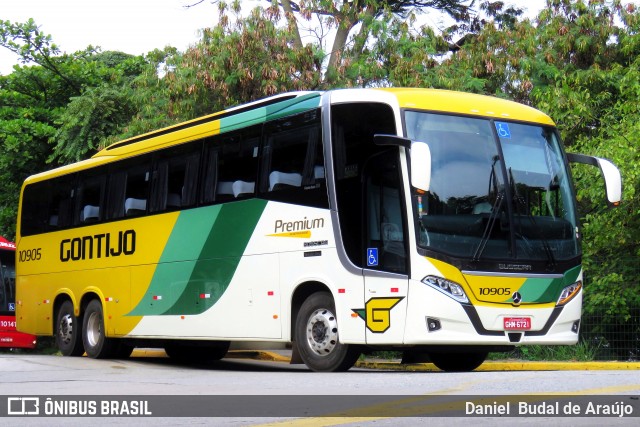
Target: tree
(36, 130)
(239, 60)
(353, 22)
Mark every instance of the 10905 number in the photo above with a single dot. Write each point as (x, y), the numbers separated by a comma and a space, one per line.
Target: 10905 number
(495, 291)
(30, 255)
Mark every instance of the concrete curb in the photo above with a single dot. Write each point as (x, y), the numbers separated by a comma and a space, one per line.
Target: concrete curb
(491, 366)
(511, 365)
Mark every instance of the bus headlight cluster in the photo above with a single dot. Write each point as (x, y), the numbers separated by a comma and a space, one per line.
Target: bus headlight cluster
(569, 292)
(447, 287)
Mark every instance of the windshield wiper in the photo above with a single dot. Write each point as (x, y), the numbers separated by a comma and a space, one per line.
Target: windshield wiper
(493, 216)
(495, 211)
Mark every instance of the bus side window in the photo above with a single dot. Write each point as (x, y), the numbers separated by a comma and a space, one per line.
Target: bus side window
(48, 206)
(175, 178)
(35, 208)
(137, 189)
(232, 166)
(210, 173)
(292, 161)
(91, 189)
(129, 188)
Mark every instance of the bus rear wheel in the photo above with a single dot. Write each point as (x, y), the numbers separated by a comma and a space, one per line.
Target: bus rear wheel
(458, 362)
(96, 344)
(316, 336)
(68, 331)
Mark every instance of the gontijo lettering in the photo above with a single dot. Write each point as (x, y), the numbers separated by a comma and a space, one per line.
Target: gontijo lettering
(98, 246)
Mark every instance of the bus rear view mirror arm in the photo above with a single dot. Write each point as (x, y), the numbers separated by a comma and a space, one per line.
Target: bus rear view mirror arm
(610, 173)
(382, 139)
(420, 158)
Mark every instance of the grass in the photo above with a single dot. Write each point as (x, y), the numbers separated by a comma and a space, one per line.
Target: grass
(581, 352)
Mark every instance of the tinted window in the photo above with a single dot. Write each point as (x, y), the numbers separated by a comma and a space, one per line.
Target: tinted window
(231, 168)
(129, 188)
(293, 163)
(48, 205)
(91, 190)
(7, 283)
(353, 127)
(175, 178)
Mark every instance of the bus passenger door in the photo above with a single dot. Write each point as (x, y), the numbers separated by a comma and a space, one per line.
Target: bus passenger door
(385, 249)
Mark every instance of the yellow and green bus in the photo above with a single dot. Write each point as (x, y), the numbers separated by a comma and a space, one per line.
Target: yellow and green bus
(436, 223)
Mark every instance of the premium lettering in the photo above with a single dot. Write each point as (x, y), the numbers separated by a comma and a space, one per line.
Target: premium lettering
(98, 246)
(303, 224)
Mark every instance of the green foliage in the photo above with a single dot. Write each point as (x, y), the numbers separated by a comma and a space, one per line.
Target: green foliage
(582, 352)
(56, 109)
(239, 62)
(89, 120)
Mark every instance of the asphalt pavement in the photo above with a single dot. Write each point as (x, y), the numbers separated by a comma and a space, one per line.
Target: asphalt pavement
(284, 356)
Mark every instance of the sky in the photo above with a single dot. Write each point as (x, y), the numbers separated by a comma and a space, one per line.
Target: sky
(131, 26)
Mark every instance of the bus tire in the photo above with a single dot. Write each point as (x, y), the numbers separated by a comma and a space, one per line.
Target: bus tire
(68, 330)
(458, 362)
(96, 344)
(316, 336)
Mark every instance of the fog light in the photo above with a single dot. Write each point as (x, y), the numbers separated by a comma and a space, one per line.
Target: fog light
(575, 328)
(433, 324)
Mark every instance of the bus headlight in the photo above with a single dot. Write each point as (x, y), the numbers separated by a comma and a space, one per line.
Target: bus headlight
(447, 287)
(569, 292)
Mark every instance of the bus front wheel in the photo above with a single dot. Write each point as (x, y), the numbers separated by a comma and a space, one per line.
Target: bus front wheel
(96, 344)
(316, 336)
(68, 331)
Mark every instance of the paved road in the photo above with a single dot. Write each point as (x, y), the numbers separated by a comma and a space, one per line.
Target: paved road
(282, 391)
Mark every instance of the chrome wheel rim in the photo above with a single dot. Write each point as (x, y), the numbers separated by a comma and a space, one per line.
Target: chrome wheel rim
(65, 329)
(322, 332)
(94, 329)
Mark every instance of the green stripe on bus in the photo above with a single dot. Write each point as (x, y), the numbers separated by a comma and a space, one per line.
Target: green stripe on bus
(270, 112)
(220, 256)
(537, 290)
(200, 258)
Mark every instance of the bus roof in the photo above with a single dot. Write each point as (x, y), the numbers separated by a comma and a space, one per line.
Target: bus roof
(293, 102)
(222, 121)
(468, 104)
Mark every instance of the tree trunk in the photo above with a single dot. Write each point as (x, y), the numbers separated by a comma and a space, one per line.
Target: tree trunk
(338, 48)
(286, 5)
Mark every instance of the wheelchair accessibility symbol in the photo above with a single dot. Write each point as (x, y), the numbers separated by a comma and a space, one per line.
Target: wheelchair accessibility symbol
(503, 130)
(372, 257)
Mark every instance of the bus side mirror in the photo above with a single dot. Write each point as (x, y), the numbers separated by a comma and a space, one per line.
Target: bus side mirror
(610, 173)
(420, 165)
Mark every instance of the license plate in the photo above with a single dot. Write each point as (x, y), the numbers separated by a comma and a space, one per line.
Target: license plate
(517, 323)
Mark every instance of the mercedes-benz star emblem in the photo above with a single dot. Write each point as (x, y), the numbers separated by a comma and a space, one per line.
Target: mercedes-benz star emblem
(517, 298)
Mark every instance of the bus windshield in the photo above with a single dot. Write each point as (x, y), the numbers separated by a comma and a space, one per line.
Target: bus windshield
(499, 190)
(7, 283)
